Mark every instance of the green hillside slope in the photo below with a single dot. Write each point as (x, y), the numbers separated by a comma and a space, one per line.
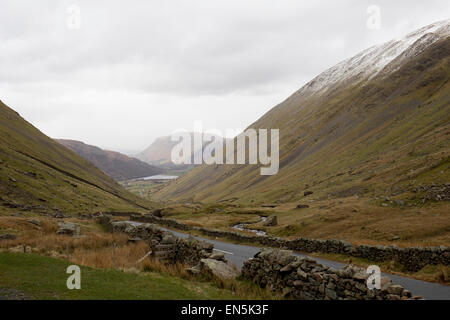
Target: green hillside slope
(389, 135)
(39, 174)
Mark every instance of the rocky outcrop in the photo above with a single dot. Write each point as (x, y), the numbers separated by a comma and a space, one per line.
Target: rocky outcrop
(68, 228)
(412, 259)
(303, 278)
(271, 221)
(434, 192)
(7, 236)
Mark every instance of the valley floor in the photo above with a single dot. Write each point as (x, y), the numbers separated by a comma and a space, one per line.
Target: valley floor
(354, 219)
(34, 259)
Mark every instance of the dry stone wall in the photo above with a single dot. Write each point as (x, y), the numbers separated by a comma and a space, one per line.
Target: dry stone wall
(185, 251)
(412, 259)
(303, 278)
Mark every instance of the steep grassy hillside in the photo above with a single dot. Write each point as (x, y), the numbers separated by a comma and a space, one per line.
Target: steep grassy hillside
(118, 166)
(39, 174)
(388, 135)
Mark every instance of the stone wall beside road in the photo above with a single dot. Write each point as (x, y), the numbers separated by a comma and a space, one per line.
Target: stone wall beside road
(412, 259)
(303, 278)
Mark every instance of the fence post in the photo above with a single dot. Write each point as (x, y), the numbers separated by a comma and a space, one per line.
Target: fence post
(114, 255)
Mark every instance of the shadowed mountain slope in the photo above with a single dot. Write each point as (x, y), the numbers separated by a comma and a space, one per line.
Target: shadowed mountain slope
(39, 174)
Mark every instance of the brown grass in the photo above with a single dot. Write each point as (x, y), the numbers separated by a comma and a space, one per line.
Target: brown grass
(242, 289)
(358, 220)
(95, 248)
(126, 256)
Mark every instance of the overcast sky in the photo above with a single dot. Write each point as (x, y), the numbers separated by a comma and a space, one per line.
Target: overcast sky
(135, 70)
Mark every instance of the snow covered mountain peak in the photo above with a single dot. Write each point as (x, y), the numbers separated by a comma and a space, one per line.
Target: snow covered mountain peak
(368, 63)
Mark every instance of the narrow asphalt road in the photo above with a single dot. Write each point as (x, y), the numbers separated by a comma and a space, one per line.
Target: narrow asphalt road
(237, 254)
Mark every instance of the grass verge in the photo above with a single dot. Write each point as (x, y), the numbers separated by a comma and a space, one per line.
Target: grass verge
(40, 277)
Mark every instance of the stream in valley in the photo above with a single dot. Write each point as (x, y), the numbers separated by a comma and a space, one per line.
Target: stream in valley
(243, 227)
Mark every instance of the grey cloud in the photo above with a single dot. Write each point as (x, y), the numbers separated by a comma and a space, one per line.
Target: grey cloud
(152, 58)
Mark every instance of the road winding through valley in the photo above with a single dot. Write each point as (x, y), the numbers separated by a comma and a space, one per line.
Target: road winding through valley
(237, 254)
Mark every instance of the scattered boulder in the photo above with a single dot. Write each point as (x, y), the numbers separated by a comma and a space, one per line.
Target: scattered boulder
(395, 289)
(385, 283)
(218, 268)
(68, 228)
(271, 221)
(157, 213)
(307, 193)
(59, 215)
(11, 204)
(302, 206)
(207, 246)
(218, 256)
(7, 236)
(13, 294)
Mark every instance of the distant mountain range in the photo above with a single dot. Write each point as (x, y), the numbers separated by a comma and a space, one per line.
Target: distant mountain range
(376, 123)
(38, 174)
(118, 166)
(159, 152)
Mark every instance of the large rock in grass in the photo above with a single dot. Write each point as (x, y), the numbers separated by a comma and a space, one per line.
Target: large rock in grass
(218, 256)
(218, 268)
(271, 221)
(68, 228)
(124, 226)
(7, 236)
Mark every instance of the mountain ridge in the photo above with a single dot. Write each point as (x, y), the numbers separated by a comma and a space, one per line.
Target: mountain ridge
(115, 164)
(329, 134)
